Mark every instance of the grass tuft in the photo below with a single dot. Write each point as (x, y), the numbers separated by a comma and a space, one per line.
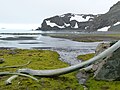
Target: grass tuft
(86, 56)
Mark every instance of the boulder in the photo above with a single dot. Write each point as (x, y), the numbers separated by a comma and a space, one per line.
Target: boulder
(108, 68)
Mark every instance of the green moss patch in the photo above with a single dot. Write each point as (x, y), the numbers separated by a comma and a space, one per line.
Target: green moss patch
(40, 59)
(102, 85)
(86, 56)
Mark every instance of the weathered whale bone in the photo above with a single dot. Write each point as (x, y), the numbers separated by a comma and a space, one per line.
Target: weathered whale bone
(69, 69)
(12, 73)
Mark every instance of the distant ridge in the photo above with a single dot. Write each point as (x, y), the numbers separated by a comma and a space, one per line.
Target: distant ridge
(109, 21)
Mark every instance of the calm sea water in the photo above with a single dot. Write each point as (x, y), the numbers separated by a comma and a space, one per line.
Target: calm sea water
(16, 31)
(39, 41)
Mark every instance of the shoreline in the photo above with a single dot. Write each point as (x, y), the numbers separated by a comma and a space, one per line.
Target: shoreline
(73, 35)
(87, 37)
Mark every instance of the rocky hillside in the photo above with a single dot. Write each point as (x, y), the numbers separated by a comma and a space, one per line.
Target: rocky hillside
(85, 22)
(68, 21)
(109, 20)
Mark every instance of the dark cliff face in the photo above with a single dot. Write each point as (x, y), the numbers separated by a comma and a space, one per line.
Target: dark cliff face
(85, 22)
(111, 19)
(68, 21)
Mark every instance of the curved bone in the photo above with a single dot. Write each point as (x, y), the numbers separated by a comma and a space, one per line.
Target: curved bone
(9, 80)
(74, 67)
(10, 73)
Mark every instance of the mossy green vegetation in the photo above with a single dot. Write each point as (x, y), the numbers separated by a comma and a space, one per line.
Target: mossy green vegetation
(40, 59)
(102, 85)
(86, 56)
(93, 84)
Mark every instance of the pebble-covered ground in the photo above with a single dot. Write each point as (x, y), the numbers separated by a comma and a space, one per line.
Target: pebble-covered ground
(70, 55)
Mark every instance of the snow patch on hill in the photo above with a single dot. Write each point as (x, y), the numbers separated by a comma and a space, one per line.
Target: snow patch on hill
(80, 18)
(104, 29)
(53, 24)
(76, 25)
(116, 23)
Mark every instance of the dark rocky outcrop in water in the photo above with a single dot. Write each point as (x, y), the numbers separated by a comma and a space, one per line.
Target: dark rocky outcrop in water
(84, 22)
(67, 21)
(109, 69)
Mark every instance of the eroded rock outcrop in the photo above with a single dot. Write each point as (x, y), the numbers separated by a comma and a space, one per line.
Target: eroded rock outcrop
(109, 68)
(110, 19)
(67, 21)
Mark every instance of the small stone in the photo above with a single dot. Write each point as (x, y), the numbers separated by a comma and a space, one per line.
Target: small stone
(2, 60)
(82, 77)
(12, 52)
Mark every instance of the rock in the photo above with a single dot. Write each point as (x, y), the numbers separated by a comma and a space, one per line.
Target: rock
(108, 19)
(67, 21)
(12, 52)
(2, 60)
(82, 77)
(109, 69)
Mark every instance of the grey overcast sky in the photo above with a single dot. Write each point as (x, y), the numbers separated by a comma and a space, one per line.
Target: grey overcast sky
(34, 11)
